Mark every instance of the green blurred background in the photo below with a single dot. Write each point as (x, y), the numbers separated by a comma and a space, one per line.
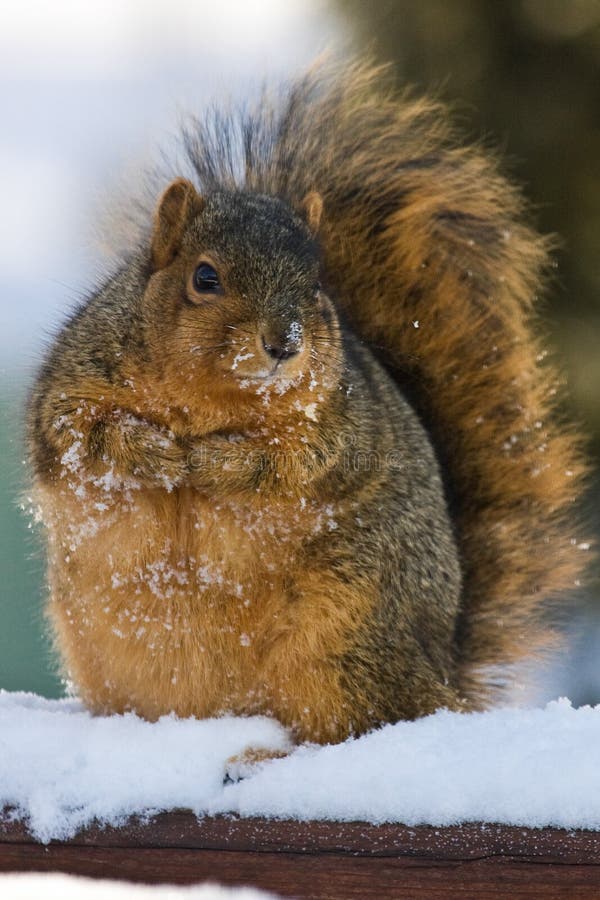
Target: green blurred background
(522, 74)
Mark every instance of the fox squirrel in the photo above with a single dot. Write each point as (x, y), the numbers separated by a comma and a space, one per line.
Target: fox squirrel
(298, 456)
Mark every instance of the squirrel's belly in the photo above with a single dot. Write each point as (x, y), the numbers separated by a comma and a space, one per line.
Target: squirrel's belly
(166, 602)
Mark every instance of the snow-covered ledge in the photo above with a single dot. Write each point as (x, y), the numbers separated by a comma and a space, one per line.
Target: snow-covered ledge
(62, 769)
(404, 811)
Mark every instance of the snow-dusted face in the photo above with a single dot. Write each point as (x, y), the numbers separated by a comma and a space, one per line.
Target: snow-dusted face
(244, 295)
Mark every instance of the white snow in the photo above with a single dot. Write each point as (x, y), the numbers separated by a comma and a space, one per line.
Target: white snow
(53, 886)
(60, 768)
(241, 357)
(295, 332)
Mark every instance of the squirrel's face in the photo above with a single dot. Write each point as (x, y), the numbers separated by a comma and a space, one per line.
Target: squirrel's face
(235, 297)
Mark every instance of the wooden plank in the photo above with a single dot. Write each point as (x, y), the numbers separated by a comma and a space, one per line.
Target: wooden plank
(324, 860)
(181, 829)
(315, 876)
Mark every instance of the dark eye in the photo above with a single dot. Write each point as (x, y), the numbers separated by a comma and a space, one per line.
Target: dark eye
(206, 280)
(317, 288)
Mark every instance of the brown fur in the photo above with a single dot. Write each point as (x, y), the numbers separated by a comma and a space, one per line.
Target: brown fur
(212, 546)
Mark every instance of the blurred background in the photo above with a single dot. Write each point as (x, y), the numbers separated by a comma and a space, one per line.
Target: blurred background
(91, 92)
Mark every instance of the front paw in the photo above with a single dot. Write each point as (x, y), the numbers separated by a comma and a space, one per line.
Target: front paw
(158, 456)
(246, 764)
(216, 457)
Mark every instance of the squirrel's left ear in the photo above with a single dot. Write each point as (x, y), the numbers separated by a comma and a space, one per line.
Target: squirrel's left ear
(178, 203)
(312, 209)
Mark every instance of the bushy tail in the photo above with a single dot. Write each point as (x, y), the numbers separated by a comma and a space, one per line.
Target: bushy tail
(426, 254)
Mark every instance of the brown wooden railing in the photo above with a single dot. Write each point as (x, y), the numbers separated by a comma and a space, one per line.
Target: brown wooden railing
(324, 859)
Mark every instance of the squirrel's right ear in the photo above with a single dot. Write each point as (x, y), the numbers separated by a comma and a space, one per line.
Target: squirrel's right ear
(312, 209)
(178, 203)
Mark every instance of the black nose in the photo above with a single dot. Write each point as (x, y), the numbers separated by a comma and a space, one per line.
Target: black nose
(282, 347)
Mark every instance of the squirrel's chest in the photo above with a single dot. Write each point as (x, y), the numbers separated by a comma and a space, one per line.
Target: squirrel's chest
(133, 531)
(238, 535)
(174, 563)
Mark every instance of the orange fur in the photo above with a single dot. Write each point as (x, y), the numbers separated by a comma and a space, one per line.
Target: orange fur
(235, 626)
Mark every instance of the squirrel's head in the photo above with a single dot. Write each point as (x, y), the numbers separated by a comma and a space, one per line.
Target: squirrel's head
(234, 301)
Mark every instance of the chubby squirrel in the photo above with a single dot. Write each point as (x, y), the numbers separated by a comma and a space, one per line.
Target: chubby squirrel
(298, 456)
